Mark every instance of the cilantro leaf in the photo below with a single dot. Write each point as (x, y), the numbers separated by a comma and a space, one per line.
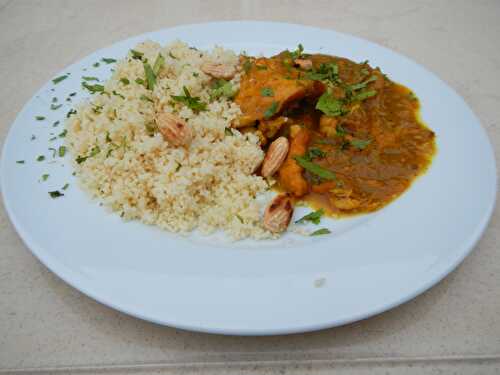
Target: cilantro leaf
(267, 91)
(271, 111)
(150, 76)
(55, 194)
(93, 88)
(56, 80)
(330, 106)
(108, 60)
(315, 168)
(192, 102)
(360, 144)
(314, 217)
(320, 232)
(221, 87)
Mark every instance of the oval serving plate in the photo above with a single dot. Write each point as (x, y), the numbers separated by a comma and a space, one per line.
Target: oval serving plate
(368, 264)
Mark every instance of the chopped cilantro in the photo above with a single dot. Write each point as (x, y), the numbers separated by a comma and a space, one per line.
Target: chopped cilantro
(192, 102)
(96, 65)
(247, 65)
(70, 113)
(159, 62)
(20, 161)
(108, 60)
(40, 158)
(86, 78)
(55, 107)
(136, 54)
(56, 80)
(140, 81)
(62, 151)
(195, 74)
(364, 95)
(340, 130)
(298, 52)
(314, 217)
(320, 232)
(53, 152)
(124, 80)
(54, 100)
(150, 76)
(45, 177)
(33, 137)
(66, 185)
(412, 96)
(63, 133)
(55, 194)
(72, 94)
(360, 144)
(221, 87)
(40, 118)
(314, 152)
(56, 123)
(325, 72)
(267, 91)
(117, 94)
(93, 88)
(315, 168)
(361, 85)
(271, 111)
(146, 98)
(330, 106)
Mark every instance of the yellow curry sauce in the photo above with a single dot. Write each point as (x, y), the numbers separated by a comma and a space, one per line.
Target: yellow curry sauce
(356, 141)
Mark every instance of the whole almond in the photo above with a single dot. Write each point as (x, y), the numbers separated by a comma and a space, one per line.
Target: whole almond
(223, 71)
(304, 63)
(275, 156)
(278, 214)
(174, 129)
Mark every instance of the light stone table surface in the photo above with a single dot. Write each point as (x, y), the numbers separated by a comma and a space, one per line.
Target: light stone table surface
(48, 327)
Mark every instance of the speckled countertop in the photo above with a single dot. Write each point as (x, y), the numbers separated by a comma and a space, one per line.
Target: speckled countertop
(48, 327)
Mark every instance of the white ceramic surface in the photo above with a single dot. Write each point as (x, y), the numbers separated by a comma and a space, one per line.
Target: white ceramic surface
(367, 265)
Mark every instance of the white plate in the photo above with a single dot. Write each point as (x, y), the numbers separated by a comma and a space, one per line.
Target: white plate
(366, 266)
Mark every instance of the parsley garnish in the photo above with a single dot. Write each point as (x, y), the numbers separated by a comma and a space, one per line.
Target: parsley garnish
(45, 177)
(267, 91)
(62, 151)
(221, 87)
(325, 72)
(145, 98)
(298, 52)
(271, 111)
(117, 94)
(108, 60)
(160, 60)
(320, 232)
(150, 76)
(360, 144)
(140, 81)
(93, 88)
(361, 85)
(247, 65)
(124, 80)
(86, 78)
(56, 80)
(315, 168)
(136, 54)
(63, 133)
(39, 118)
(55, 194)
(364, 95)
(192, 102)
(314, 152)
(40, 158)
(330, 106)
(314, 217)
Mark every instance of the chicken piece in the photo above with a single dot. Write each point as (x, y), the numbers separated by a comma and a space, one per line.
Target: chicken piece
(290, 173)
(271, 127)
(328, 125)
(268, 87)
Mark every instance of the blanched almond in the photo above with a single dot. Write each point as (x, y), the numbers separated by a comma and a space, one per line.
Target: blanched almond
(304, 63)
(174, 129)
(275, 156)
(278, 214)
(224, 71)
